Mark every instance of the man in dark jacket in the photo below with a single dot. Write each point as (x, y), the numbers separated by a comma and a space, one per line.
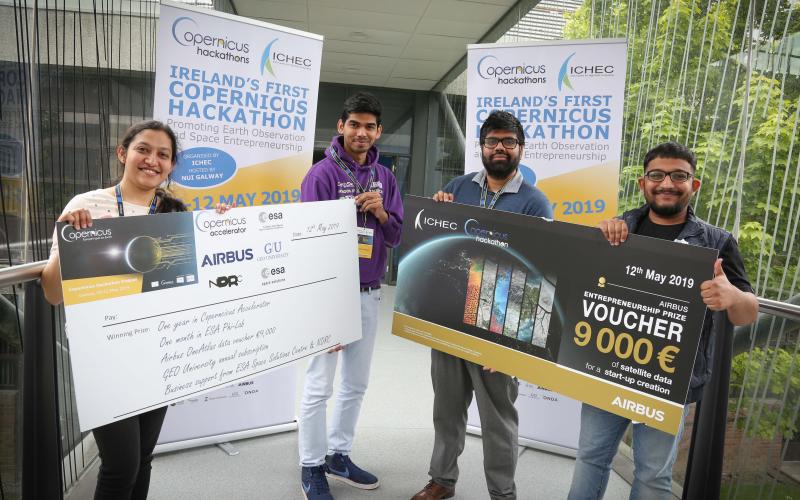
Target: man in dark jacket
(668, 185)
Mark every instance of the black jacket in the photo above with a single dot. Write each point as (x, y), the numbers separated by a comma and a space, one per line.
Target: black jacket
(701, 233)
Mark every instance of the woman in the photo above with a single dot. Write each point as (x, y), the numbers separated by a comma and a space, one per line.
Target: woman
(148, 153)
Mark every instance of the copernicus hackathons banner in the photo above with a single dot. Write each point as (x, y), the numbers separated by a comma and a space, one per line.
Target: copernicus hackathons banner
(242, 97)
(554, 304)
(569, 97)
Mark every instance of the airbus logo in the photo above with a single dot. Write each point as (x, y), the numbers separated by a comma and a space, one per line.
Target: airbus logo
(639, 408)
(421, 220)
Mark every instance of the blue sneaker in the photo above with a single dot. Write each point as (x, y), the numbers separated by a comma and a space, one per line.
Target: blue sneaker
(341, 468)
(315, 486)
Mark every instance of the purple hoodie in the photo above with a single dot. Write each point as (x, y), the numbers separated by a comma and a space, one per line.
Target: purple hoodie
(326, 181)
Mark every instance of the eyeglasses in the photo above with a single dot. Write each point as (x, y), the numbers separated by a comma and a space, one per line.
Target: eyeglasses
(508, 142)
(677, 176)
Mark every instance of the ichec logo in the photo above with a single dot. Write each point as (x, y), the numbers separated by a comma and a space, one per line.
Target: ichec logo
(568, 71)
(563, 74)
(419, 221)
(266, 63)
(272, 55)
(70, 234)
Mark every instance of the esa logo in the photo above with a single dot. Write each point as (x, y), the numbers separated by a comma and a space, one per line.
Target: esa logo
(228, 257)
(271, 272)
(265, 217)
(226, 281)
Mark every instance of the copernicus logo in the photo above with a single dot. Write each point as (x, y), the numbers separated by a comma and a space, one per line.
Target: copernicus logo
(188, 33)
(229, 257)
(473, 228)
(433, 222)
(272, 55)
(207, 222)
(517, 73)
(568, 71)
(70, 234)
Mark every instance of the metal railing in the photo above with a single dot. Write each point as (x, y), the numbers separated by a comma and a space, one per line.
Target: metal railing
(43, 432)
(17, 275)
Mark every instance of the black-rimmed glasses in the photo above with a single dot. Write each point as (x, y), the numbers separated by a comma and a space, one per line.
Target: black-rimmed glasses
(508, 142)
(677, 176)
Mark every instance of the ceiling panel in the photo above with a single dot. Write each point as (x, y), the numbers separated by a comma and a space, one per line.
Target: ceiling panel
(242, 5)
(409, 7)
(353, 78)
(406, 68)
(506, 4)
(464, 11)
(370, 49)
(358, 19)
(371, 65)
(286, 24)
(296, 11)
(436, 42)
(443, 56)
(407, 44)
(411, 83)
(474, 30)
(364, 35)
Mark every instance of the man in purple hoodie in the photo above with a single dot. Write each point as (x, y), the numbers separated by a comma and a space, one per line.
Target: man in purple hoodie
(350, 169)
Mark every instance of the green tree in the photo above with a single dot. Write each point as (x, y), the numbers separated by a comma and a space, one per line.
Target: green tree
(686, 81)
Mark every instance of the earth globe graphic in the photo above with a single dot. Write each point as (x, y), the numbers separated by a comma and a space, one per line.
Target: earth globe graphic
(143, 254)
(432, 278)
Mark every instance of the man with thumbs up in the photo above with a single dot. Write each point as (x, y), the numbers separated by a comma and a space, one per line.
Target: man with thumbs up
(668, 185)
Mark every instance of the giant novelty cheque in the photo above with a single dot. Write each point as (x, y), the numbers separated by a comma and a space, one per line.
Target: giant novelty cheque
(554, 304)
(162, 308)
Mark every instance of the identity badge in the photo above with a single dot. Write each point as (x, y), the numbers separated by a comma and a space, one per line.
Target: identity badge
(365, 236)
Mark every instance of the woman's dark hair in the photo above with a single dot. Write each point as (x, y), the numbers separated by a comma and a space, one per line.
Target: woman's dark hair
(167, 202)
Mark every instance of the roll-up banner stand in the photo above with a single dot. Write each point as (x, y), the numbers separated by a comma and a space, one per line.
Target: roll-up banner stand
(242, 97)
(569, 96)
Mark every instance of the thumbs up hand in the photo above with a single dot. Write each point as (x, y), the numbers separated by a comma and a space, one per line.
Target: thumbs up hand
(718, 293)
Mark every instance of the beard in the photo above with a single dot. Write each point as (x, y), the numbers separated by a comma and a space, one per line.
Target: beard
(498, 166)
(668, 210)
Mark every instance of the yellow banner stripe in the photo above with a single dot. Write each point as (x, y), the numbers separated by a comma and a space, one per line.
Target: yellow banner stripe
(82, 290)
(657, 413)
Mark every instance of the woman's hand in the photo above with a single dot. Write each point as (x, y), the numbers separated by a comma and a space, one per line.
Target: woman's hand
(80, 218)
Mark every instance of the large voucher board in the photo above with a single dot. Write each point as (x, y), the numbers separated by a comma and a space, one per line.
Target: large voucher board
(166, 307)
(569, 96)
(242, 96)
(555, 304)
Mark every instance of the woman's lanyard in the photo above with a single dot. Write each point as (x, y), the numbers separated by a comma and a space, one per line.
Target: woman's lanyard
(121, 209)
(351, 175)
